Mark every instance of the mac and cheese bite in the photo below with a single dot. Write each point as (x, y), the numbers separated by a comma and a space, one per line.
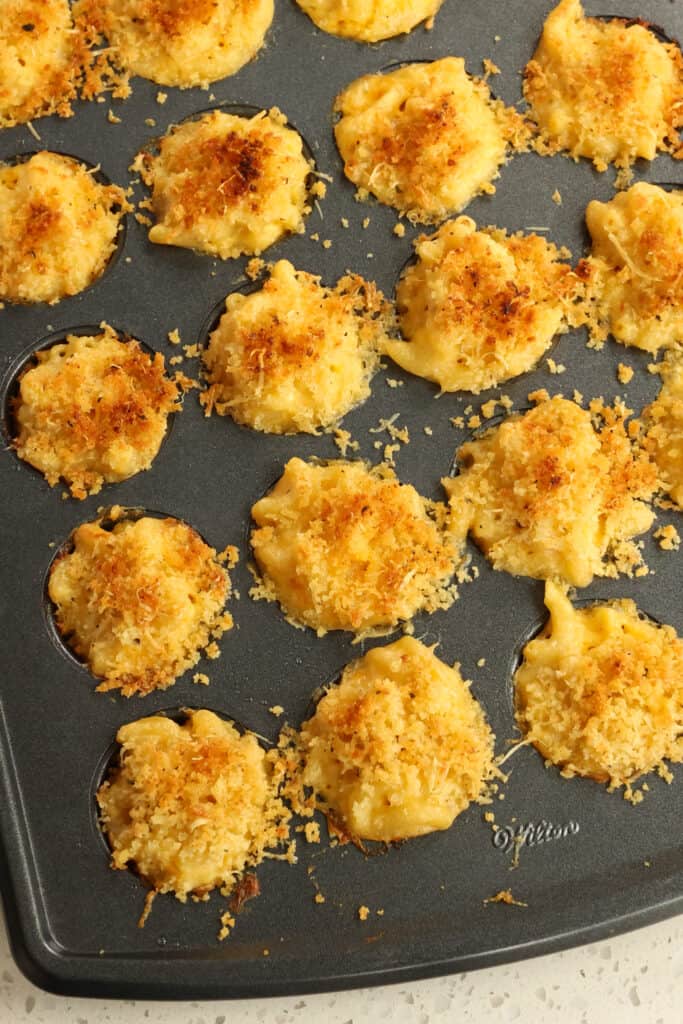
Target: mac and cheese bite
(555, 493)
(399, 747)
(345, 546)
(606, 90)
(600, 691)
(227, 185)
(139, 601)
(426, 138)
(480, 306)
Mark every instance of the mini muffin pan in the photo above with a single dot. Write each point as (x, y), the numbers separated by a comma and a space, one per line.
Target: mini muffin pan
(587, 863)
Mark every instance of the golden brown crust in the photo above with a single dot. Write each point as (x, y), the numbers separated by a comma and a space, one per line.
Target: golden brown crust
(426, 138)
(189, 806)
(93, 410)
(139, 602)
(183, 43)
(58, 228)
(635, 271)
(42, 60)
(551, 494)
(227, 185)
(600, 691)
(343, 546)
(294, 355)
(609, 91)
(399, 747)
(369, 21)
(481, 306)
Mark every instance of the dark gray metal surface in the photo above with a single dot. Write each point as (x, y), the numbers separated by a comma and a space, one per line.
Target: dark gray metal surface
(72, 920)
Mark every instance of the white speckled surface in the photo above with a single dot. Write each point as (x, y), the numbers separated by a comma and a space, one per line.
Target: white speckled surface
(633, 978)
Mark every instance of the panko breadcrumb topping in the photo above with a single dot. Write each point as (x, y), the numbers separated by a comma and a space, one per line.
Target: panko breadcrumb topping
(425, 139)
(295, 355)
(345, 546)
(481, 306)
(58, 228)
(190, 806)
(41, 60)
(138, 602)
(606, 90)
(227, 185)
(93, 410)
(555, 492)
(600, 691)
(635, 270)
(183, 42)
(399, 747)
(663, 421)
(369, 21)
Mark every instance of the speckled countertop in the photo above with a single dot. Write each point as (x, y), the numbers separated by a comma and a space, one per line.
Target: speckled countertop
(632, 978)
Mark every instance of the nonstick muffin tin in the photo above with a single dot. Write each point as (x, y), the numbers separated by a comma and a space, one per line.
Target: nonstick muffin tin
(589, 864)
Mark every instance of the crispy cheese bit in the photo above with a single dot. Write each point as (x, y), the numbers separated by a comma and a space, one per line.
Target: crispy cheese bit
(58, 228)
(480, 306)
(346, 546)
(399, 747)
(668, 537)
(295, 355)
(505, 896)
(227, 185)
(93, 410)
(609, 91)
(600, 691)
(41, 60)
(663, 421)
(184, 42)
(138, 602)
(368, 21)
(425, 139)
(552, 494)
(190, 807)
(635, 271)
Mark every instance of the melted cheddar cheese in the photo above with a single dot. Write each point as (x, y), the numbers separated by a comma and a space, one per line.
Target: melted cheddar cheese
(368, 21)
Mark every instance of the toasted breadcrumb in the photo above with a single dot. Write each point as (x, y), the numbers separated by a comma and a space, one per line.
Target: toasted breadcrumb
(505, 896)
(668, 537)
